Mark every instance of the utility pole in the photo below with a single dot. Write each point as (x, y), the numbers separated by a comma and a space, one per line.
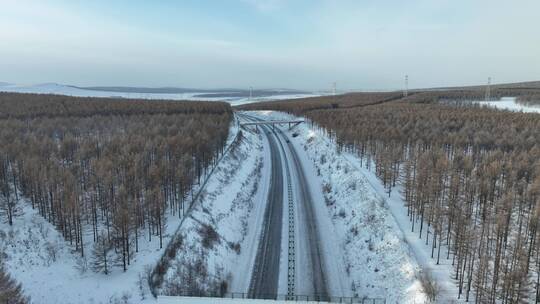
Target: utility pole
(406, 89)
(488, 89)
(250, 93)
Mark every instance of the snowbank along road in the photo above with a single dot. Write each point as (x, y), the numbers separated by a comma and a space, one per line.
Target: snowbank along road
(308, 231)
(304, 265)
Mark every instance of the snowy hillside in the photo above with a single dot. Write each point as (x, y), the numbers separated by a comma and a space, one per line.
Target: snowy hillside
(37, 256)
(219, 236)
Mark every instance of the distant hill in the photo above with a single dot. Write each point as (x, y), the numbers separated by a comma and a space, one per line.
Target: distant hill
(233, 96)
(534, 85)
(206, 93)
(254, 93)
(521, 85)
(147, 90)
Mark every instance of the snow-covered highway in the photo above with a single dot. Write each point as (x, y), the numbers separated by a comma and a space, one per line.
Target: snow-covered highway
(265, 277)
(304, 256)
(307, 230)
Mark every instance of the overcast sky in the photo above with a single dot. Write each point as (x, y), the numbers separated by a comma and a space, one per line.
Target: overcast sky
(304, 44)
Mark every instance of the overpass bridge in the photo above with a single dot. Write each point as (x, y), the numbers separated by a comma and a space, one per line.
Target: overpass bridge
(273, 123)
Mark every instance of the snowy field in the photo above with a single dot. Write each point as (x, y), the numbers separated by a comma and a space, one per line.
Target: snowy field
(382, 257)
(509, 103)
(54, 88)
(37, 256)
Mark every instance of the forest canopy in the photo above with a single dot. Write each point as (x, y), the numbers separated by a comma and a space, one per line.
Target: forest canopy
(106, 171)
(526, 93)
(469, 177)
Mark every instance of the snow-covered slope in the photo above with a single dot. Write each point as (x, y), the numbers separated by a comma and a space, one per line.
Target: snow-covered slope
(220, 237)
(378, 261)
(37, 256)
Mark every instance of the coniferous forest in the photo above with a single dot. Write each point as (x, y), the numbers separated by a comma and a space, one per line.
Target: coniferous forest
(469, 177)
(105, 172)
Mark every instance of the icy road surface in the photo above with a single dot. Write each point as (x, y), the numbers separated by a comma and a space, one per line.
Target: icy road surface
(317, 258)
(265, 278)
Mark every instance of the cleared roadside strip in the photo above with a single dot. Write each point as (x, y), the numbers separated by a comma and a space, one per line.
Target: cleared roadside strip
(153, 278)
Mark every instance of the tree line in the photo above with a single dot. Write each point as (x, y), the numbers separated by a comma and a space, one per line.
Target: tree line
(531, 99)
(106, 172)
(470, 179)
(300, 105)
(24, 106)
(363, 99)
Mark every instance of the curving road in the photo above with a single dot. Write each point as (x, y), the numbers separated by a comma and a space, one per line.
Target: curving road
(265, 278)
(308, 253)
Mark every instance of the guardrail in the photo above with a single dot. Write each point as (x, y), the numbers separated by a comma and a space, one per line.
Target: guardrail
(291, 260)
(287, 297)
(310, 298)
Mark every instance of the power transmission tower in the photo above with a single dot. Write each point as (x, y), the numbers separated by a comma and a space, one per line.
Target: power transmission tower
(334, 94)
(406, 90)
(488, 89)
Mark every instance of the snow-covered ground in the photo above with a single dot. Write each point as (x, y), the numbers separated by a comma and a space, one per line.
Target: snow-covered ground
(54, 88)
(221, 234)
(50, 270)
(382, 258)
(37, 256)
(509, 103)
